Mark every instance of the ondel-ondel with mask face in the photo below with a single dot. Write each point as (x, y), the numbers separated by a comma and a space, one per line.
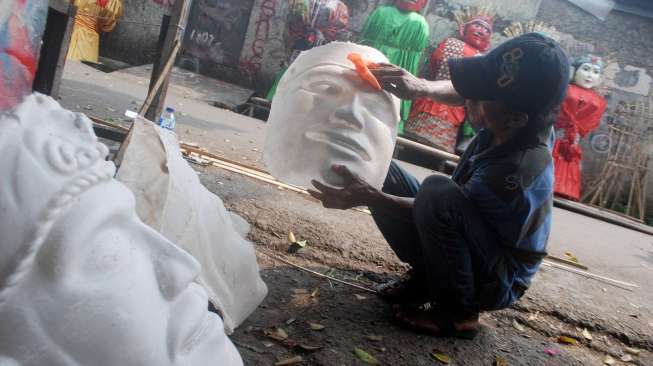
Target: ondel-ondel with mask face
(587, 71)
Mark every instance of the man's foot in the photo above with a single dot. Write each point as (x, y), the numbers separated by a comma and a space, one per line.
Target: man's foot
(408, 289)
(435, 322)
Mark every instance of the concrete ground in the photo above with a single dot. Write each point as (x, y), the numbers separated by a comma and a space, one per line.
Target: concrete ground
(559, 303)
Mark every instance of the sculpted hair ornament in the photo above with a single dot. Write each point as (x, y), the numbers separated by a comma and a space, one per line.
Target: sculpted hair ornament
(69, 159)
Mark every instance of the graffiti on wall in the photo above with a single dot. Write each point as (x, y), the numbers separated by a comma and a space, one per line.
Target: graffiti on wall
(252, 64)
(21, 25)
(267, 48)
(215, 35)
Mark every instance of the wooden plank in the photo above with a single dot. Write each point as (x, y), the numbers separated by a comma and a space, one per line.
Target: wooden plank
(56, 41)
(567, 262)
(174, 35)
(62, 6)
(165, 73)
(436, 153)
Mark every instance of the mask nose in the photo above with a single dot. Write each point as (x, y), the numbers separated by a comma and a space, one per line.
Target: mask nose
(350, 115)
(175, 269)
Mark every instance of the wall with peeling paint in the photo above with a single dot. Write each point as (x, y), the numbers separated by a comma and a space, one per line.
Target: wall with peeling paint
(138, 29)
(21, 26)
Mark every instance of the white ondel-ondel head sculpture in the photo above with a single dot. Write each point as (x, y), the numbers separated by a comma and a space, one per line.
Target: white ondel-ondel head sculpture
(587, 71)
(324, 114)
(82, 280)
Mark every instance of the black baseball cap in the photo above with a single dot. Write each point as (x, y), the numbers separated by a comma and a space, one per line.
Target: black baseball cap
(529, 73)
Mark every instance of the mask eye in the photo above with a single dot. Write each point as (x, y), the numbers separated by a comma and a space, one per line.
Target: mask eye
(324, 87)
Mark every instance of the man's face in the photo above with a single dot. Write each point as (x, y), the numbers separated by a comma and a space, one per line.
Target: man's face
(477, 34)
(106, 290)
(327, 115)
(491, 116)
(588, 76)
(21, 25)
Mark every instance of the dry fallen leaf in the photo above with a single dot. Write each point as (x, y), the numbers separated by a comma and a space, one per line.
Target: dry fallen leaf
(517, 326)
(586, 334)
(632, 351)
(441, 357)
(626, 358)
(533, 316)
(360, 297)
(290, 321)
(500, 361)
(374, 338)
(571, 257)
(291, 237)
(567, 340)
(308, 348)
(278, 334)
(608, 360)
(289, 361)
(297, 246)
(316, 326)
(365, 357)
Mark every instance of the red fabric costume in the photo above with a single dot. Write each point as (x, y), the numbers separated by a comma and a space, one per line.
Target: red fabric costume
(432, 122)
(437, 124)
(580, 113)
(407, 5)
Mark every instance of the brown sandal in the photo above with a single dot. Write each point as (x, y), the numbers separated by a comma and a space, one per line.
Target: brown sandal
(435, 322)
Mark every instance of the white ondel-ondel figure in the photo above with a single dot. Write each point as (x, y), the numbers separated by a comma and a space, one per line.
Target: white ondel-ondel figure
(82, 280)
(324, 114)
(588, 70)
(171, 199)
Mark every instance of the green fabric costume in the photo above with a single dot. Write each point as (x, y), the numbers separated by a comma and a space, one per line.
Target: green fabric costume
(275, 84)
(402, 36)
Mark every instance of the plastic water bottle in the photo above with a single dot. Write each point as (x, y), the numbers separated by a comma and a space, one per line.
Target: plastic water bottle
(167, 119)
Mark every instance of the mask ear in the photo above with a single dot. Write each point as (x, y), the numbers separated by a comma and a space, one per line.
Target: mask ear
(5, 361)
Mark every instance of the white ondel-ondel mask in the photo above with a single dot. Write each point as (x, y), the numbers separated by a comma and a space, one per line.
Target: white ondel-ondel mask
(324, 114)
(588, 71)
(82, 280)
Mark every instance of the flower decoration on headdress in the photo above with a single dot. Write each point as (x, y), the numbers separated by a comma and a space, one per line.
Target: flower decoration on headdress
(517, 29)
(588, 59)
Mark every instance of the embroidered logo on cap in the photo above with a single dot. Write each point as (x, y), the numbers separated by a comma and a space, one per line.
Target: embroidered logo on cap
(510, 66)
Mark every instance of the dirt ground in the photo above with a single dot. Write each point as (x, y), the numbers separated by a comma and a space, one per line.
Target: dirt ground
(347, 245)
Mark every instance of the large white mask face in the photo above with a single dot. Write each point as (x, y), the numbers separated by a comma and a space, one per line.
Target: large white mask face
(324, 114)
(90, 284)
(588, 76)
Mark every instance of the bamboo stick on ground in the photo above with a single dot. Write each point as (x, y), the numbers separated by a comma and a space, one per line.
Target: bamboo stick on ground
(318, 274)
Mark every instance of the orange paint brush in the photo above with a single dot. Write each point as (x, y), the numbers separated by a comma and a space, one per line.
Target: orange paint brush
(362, 69)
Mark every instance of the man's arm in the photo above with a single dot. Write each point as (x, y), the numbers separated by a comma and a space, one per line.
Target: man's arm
(405, 85)
(356, 192)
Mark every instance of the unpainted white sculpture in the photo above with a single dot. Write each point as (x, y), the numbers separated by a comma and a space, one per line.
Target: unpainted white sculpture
(324, 114)
(82, 280)
(171, 199)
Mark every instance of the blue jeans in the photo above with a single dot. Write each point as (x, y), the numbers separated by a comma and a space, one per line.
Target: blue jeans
(448, 244)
